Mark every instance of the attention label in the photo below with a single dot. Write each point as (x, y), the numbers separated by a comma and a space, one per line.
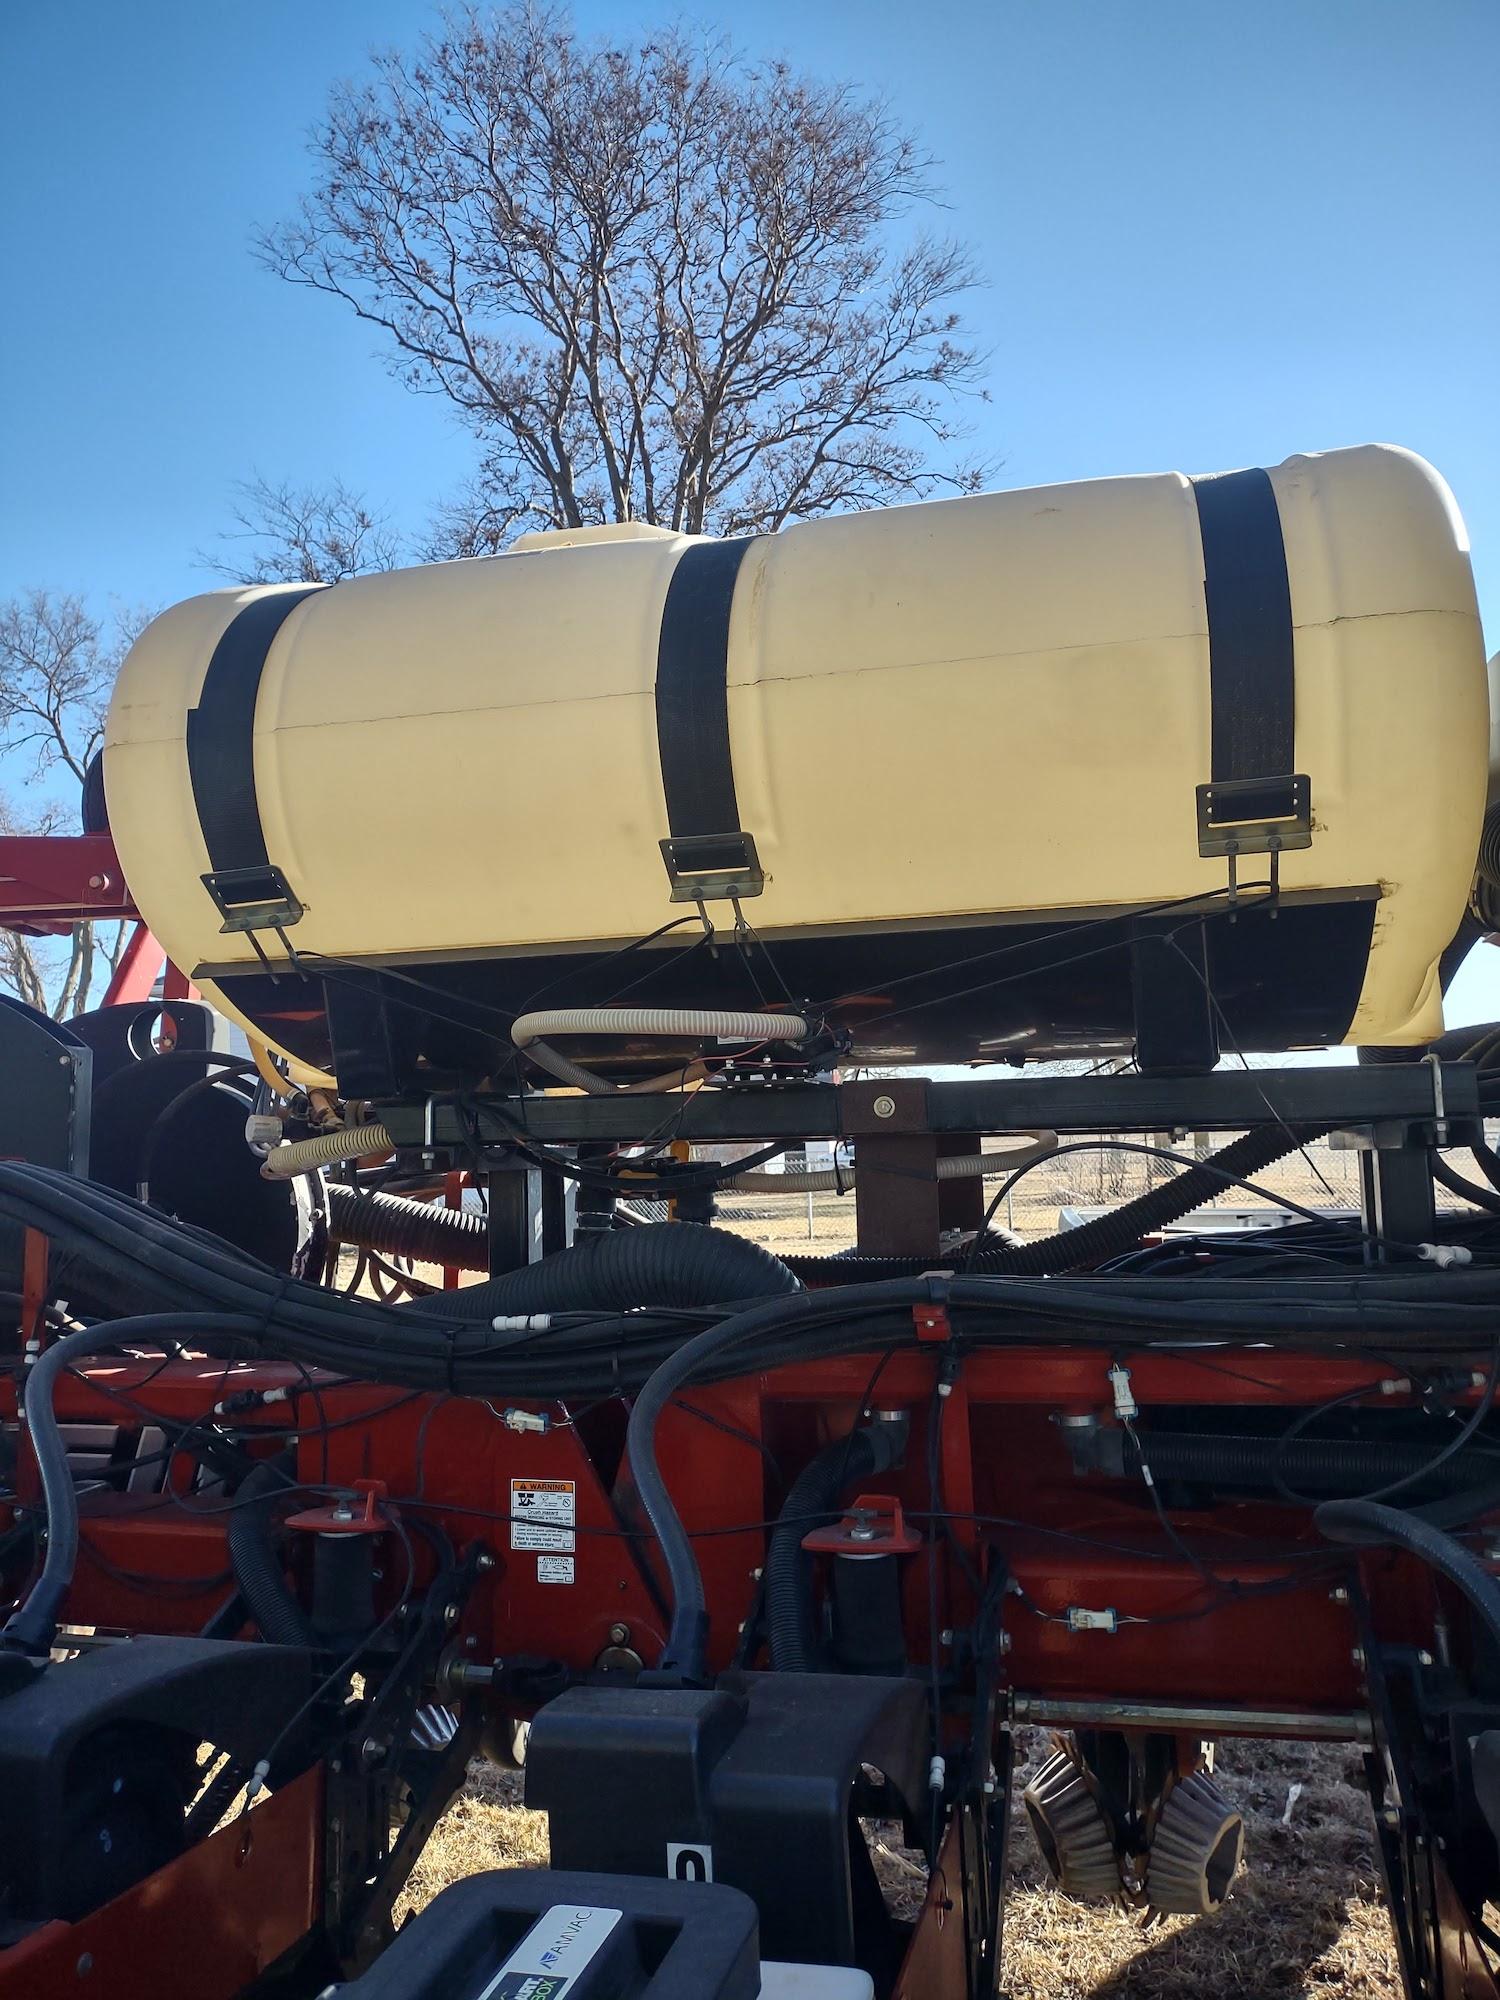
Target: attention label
(554, 1569)
(542, 1515)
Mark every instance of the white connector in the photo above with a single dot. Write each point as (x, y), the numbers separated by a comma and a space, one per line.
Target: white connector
(522, 1323)
(1081, 1619)
(537, 1422)
(1445, 1255)
(1126, 1407)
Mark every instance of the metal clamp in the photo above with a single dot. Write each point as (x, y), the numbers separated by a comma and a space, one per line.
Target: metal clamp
(712, 867)
(253, 899)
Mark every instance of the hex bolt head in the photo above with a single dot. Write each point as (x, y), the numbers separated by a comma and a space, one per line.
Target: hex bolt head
(884, 1107)
(618, 1634)
(1424, 1658)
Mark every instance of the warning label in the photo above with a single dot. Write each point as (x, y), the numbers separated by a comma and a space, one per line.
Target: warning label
(542, 1515)
(554, 1569)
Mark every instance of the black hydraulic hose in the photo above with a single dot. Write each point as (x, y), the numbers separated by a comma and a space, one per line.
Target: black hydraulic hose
(1466, 1190)
(813, 1497)
(254, 1557)
(1366, 1524)
(1092, 1242)
(669, 1264)
(395, 1226)
(1330, 1465)
(1111, 1235)
(32, 1627)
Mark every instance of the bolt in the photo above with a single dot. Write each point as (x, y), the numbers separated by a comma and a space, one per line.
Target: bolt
(884, 1107)
(618, 1634)
(1005, 1642)
(486, 1560)
(471, 1642)
(85, 1964)
(756, 1575)
(1424, 1658)
(450, 1615)
(862, 1525)
(1338, 1595)
(1357, 1656)
(945, 1637)
(371, 1751)
(1390, 1819)
(98, 881)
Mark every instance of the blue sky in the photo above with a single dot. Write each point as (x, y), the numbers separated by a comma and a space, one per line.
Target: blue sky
(1213, 234)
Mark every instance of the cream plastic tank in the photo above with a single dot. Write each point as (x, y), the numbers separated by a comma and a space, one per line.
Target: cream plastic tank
(942, 752)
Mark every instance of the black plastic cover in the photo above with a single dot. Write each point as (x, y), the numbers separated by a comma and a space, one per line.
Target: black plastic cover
(554, 1934)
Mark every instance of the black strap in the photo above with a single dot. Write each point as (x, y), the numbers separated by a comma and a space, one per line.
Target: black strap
(221, 734)
(1252, 664)
(692, 691)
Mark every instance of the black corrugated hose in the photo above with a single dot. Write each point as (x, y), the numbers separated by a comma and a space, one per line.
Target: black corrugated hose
(395, 1226)
(674, 1264)
(1332, 1465)
(812, 1499)
(254, 1557)
(1092, 1242)
(1366, 1524)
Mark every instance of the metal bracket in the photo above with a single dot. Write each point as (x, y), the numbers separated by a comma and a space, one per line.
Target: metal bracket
(253, 899)
(712, 867)
(1254, 816)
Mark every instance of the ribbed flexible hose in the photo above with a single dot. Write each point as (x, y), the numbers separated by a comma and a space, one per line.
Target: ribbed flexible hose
(1365, 1523)
(531, 1034)
(254, 1559)
(1092, 1242)
(1331, 1465)
(303, 1155)
(812, 1499)
(398, 1227)
(667, 1264)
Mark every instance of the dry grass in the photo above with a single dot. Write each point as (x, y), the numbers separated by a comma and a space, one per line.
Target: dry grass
(1305, 1917)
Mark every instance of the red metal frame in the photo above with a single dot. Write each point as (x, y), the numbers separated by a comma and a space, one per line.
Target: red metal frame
(203, 1927)
(48, 882)
(159, 1563)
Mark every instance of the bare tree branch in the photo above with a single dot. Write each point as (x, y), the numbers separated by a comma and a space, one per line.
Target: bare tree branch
(288, 534)
(656, 281)
(57, 665)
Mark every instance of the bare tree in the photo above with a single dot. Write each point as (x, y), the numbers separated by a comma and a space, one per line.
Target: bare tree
(658, 282)
(310, 534)
(57, 665)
